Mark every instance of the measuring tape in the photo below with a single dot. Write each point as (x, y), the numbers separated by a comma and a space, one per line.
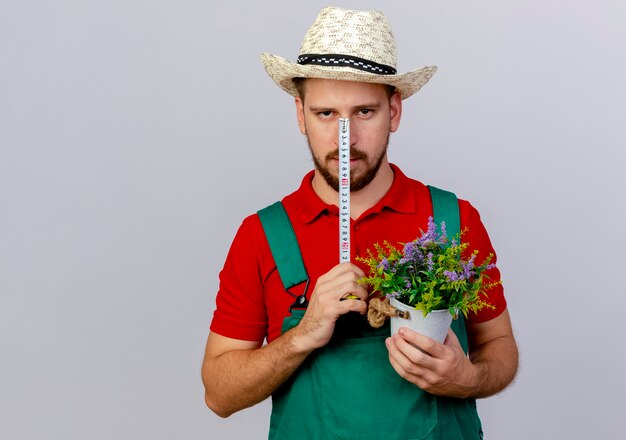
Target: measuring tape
(344, 190)
(344, 194)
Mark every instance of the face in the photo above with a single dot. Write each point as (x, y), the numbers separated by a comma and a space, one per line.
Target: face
(373, 116)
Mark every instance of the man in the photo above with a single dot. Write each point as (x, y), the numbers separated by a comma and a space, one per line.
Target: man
(329, 374)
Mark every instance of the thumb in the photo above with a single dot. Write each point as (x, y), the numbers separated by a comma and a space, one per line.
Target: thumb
(451, 339)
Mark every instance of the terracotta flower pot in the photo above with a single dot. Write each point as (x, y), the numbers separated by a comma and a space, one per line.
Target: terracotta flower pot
(435, 325)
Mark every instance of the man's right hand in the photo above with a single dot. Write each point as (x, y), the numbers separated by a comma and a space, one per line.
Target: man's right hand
(239, 373)
(326, 305)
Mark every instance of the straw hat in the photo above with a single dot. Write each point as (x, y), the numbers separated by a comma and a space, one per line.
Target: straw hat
(349, 45)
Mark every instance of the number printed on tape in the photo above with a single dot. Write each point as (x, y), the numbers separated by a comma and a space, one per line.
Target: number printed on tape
(344, 190)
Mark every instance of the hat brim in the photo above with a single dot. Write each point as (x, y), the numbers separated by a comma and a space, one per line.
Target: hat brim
(283, 71)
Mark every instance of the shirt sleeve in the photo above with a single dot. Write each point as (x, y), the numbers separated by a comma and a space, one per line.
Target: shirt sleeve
(478, 239)
(240, 312)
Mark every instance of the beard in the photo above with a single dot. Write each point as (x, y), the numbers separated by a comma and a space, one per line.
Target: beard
(357, 182)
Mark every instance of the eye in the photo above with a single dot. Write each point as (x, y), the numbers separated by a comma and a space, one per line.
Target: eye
(325, 114)
(365, 111)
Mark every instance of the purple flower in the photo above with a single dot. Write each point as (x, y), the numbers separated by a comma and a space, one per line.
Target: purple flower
(429, 236)
(470, 262)
(442, 236)
(431, 226)
(467, 267)
(411, 253)
(452, 276)
(429, 261)
(384, 264)
(409, 249)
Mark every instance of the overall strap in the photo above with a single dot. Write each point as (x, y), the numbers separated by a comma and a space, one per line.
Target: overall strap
(283, 244)
(446, 209)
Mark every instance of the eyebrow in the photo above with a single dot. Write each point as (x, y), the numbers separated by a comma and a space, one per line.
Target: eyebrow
(373, 106)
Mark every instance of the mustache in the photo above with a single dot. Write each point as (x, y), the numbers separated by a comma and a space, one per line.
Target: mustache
(354, 154)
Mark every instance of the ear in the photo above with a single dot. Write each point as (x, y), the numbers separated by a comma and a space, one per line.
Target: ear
(300, 115)
(395, 111)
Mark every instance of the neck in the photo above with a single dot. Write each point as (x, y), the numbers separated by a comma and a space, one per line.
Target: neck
(362, 200)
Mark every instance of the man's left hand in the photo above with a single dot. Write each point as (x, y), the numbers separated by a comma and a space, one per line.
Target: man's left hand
(440, 369)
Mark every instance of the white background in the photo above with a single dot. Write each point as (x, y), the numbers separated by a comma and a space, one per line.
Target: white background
(135, 135)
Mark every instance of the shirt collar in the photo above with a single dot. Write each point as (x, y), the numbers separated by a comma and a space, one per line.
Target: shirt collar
(397, 198)
(311, 206)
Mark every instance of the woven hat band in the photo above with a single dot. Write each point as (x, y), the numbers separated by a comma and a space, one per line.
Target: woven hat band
(346, 60)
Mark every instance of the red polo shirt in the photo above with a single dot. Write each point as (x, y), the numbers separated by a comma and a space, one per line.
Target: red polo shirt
(251, 301)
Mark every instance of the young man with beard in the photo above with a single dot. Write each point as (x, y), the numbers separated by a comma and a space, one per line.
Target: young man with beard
(329, 374)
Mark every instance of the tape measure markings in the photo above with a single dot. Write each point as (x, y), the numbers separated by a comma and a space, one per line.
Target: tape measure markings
(344, 190)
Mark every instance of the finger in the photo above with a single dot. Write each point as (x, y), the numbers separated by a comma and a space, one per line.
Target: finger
(340, 282)
(348, 287)
(421, 378)
(354, 292)
(414, 354)
(426, 344)
(344, 307)
(343, 271)
(345, 268)
(353, 268)
(403, 365)
(452, 339)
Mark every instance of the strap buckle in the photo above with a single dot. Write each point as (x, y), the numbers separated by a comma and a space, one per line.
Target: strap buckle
(301, 302)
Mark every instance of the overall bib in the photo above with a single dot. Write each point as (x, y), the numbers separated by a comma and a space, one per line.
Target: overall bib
(348, 389)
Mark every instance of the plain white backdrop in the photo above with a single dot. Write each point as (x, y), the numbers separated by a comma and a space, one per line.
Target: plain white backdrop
(135, 136)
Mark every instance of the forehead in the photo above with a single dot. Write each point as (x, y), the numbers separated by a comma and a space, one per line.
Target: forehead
(340, 91)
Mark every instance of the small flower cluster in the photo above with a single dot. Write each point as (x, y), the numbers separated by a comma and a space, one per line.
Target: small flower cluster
(430, 273)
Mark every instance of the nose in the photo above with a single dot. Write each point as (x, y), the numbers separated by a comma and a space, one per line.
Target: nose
(348, 126)
(345, 134)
